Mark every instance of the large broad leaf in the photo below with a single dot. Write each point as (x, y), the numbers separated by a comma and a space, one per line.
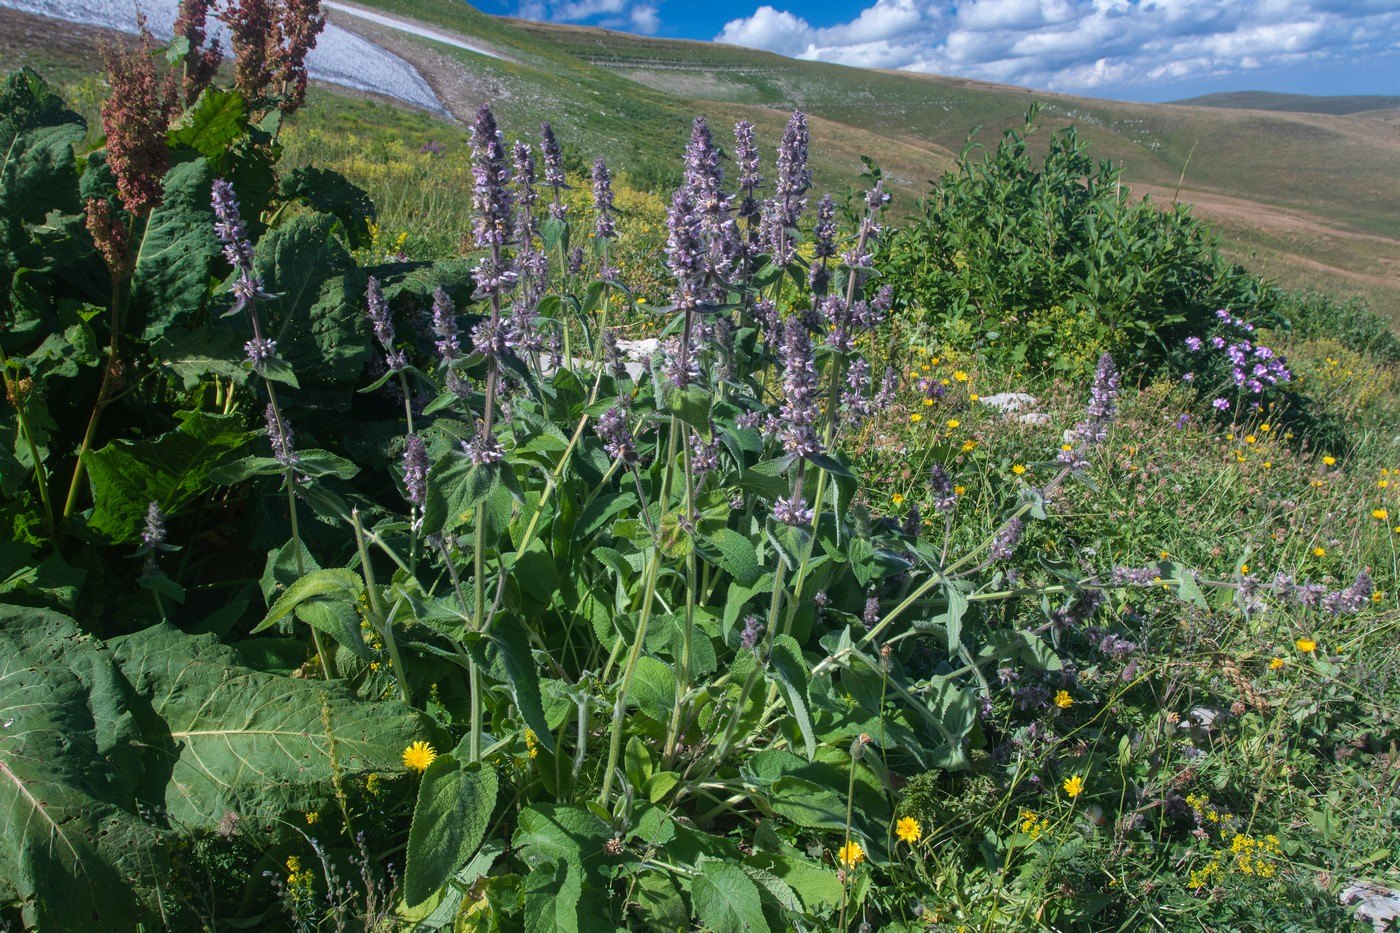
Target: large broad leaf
(215, 122)
(237, 740)
(176, 254)
(73, 851)
(169, 470)
(516, 667)
(332, 193)
(37, 136)
(726, 899)
(318, 317)
(454, 807)
(562, 847)
(787, 669)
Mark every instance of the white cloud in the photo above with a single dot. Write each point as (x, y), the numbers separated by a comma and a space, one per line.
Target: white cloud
(1081, 44)
(633, 15)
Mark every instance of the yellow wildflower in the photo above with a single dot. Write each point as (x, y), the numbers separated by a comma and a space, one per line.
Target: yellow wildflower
(1250, 438)
(1329, 460)
(1380, 515)
(928, 403)
(909, 830)
(1063, 700)
(897, 499)
(1305, 645)
(1074, 786)
(973, 397)
(954, 423)
(960, 376)
(1276, 663)
(969, 446)
(916, 417)
(959, 490)
(313, 818)
(418, 756)
(851, 854)
(1018, 469)
(1319, 552)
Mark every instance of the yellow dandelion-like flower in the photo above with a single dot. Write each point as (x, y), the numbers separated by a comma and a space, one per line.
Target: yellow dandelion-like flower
(313, 818)
(1250, 439)
(928, 403)
(1244, 568)
(959, 490)
(1380, 515)
(897, 499)
(974, 397)
(851, 854)
(969, 446)
(954, 423)
(1383, 484)
(960, 376)
(916, 417)
(1063, 700)
(936, 360)
(1276, 663)
(1319, 552)
(1074, 786)
(1264, 429)
(1329, 460)
(418, 756)
(1018, 469)
(1305, 645)
(908, 830)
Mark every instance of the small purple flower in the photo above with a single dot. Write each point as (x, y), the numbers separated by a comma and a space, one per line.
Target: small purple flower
(382, 319)
(431, 148)
(945, 496)
(889, 386)
(1221, 404)
(746, 157)
(1182, 421)
(445, 333)
(603, 228)
(753, 631)
(279, 434)
(260, 350)
(415, 470)
(1352, 599)
(800, 408)
(553, 169)
(1193, 343)
(704, 457)
(154, 534)
(913, 523)
(483, 449)
(491, 197)
(792, 510)
(617, 437)
(524, 185)
(1004, 544)
(229, 226)
(871, 615)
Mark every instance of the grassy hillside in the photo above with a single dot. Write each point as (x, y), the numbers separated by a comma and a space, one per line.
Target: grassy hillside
(1306, 198)
(1297, 103)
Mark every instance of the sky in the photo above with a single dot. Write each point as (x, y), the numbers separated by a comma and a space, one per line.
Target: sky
(1148, 50)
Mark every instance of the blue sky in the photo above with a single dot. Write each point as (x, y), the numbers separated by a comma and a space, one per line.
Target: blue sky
(1132, 49)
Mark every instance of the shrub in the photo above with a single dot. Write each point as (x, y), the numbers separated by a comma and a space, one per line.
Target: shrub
(1054, 263)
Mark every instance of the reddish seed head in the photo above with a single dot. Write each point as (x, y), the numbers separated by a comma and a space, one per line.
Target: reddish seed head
(135, 118)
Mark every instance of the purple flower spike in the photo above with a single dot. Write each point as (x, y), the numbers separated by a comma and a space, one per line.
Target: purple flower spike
(793, 510)
(415, 470)
(491, 197)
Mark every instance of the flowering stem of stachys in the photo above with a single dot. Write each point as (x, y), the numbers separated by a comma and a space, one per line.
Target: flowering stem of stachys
(376, 608)
(687, 634)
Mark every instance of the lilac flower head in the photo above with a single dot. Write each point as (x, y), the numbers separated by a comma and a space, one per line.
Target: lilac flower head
(491, 197)
(1193, 343)
(704, 457)
(855, 399)
(484, 449)
(1102, 407)
(524, 161)
(604, 228)
(415, 470)
(753, 631)
(889, 386)
(871, 615)
(792, 510)
(1221, 404)
(553, 169)
(800, 408)
(229, 226)
(684, 248)
(913, 523)
(1352, 599)
(794, 177)
(824, 233)
(575, 260)
(279, 434)
(382, 319)
(945, 497)
(746, 157)
(445, 333)
(617, 437)
(1006, 540)
(154, 534)
(521, 334)
(260, 351)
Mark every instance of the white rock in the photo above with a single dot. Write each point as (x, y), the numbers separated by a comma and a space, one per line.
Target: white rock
(1379, 905)
(1007, 402)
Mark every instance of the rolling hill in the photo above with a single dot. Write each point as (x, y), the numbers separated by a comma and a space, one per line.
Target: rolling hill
(1296, 103)
(1307, 198)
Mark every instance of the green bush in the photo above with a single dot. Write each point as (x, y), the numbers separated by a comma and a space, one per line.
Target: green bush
(1054, 263)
